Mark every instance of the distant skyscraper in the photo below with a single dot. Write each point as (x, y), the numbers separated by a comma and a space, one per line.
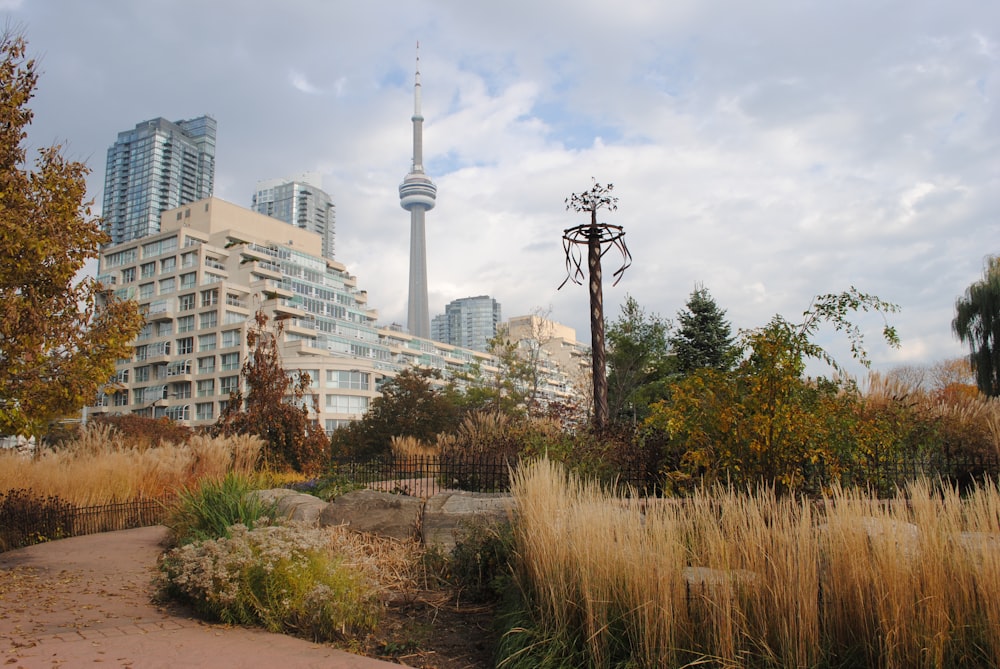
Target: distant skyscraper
(300, 201)
(154, 167)
(416, 195)
(469, 322)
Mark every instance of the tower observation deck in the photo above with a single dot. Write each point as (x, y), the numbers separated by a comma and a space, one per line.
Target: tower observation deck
(417, 194)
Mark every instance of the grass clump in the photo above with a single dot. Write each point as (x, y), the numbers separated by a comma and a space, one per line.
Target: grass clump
(101, 466)
(208, 510)
(750, 579)
(285, 578)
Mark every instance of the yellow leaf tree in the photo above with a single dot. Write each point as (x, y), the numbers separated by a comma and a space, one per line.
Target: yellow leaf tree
(59, 336)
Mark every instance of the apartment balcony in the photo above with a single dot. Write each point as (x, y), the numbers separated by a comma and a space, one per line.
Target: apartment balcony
(286, 307)
(272, 289)
(266, 268)
(161, 310)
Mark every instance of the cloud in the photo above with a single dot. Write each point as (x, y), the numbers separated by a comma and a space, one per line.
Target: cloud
(771, 151)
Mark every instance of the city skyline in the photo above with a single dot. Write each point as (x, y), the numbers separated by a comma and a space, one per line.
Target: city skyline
(771, 153)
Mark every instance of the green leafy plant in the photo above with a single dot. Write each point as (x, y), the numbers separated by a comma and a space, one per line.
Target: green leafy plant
(285, 578)
(207, 511)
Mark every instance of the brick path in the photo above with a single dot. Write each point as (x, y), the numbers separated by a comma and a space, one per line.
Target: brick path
(89, 599)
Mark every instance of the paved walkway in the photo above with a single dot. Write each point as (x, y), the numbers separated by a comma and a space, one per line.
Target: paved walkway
(87, 600)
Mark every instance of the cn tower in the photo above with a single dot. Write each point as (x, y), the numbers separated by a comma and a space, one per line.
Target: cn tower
(416, 195)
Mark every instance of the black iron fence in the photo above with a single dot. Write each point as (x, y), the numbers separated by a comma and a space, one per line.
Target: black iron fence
(424, 476)
(427, 475)
(26, 518)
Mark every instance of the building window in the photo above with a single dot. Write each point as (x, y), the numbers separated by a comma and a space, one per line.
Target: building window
(185, 302)
(351, 404)
(230, 338)
(141, 374)
(206, 342)
(228, 384)
(189, 259)
(206, 365)
(185, 345)
(185, 324)
(164, 328)
(188, 280)
(128, 275)
(230, 361)
(209, 298)
(167, 285)
(351, 380)
(206, 388)
(204, 411)
(168, 265)
(208, 320)
(182, 390)
(121, 398)
(145, 291)
(178, 413)
(148, 269)
(233, 317)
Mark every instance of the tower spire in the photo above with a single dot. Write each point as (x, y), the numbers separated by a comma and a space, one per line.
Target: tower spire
(417, 194)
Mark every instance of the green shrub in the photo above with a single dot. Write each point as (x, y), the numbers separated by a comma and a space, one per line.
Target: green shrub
(207, 511)
(282, 577)
(479, 566)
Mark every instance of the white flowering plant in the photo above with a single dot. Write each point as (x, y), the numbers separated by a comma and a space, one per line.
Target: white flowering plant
(286, 578)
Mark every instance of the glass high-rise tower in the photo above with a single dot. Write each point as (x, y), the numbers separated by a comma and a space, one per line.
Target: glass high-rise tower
(156, 166)
(299, 201)
(469, 322)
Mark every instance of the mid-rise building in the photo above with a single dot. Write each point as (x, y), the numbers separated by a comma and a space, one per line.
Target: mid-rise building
(469, 322)
(199, 281)
(299, 201)
(562, 363)
(156, 166)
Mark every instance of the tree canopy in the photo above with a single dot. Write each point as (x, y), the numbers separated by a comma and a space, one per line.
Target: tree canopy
(638, 361)
(276, 406)
(59, 337)
(703, 338)
(977, 323)
(412, 404)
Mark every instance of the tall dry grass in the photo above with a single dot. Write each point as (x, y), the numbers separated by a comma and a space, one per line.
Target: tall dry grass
(98, 468)
(748, 579)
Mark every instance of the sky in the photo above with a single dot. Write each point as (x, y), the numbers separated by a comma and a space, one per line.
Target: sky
(770, 151)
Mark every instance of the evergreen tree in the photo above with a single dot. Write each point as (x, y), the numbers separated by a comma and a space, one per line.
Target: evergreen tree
(977, 323)
(638, 361)
(703, 339)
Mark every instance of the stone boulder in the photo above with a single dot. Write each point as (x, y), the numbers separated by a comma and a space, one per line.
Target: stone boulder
(293, 505)
(448, 515)
(380, 513)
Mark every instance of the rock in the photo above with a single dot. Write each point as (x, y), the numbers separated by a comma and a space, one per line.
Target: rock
(448, 514)
(381, 513)
(272, 495)
(707, 580)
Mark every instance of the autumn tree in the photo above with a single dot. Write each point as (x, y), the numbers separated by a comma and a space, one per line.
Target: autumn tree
(977, 324)
(509, 387)
(59, 336)
(765, 421)
(638, 361)
(414, 403)
(703, 337)
(275, 406)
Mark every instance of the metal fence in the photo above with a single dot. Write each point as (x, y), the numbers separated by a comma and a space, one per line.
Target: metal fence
(27, 519)
(424, 476)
